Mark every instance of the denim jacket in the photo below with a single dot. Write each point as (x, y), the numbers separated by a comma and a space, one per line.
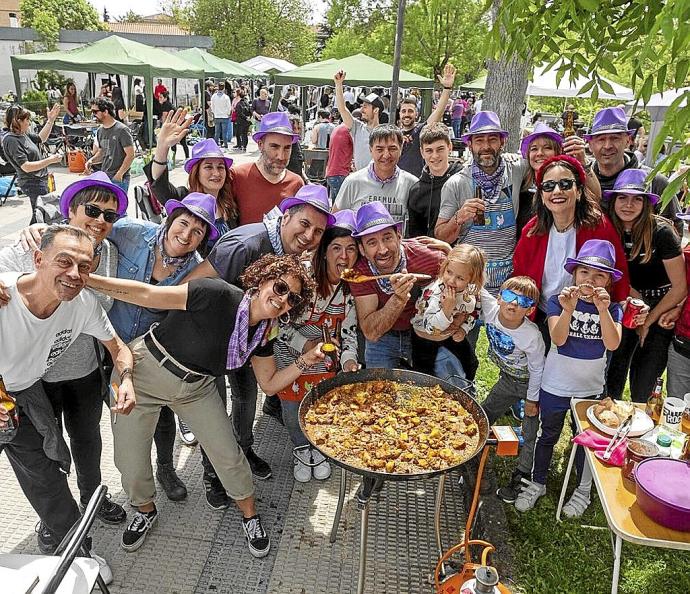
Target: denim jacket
(136, 241)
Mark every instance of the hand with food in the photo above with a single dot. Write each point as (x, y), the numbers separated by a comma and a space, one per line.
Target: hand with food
(402, 285)
(568, 298)
(601, 299)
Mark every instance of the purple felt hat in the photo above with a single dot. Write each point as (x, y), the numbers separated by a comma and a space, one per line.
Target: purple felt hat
(314, 195)
(631, 181)
(200, 205)
(98, 179)
(275, 122)
(345, 219)
(684, 216)
(610, 120)
(372, 217)
(540, 129)
(484, 122)
(596, 253)
(206, 149)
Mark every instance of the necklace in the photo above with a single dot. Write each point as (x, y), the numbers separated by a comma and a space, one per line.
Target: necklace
(566, 228)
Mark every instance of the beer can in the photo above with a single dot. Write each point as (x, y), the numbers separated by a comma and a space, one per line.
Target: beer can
(632, 309)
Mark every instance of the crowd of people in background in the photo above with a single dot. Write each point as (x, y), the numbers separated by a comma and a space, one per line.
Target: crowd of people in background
(543, 248)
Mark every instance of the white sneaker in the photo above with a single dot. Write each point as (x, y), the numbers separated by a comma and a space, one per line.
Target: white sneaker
(527, 498)
(301, 471)
(322, 470)
(186, 434)
(577, 504)
(103, 569)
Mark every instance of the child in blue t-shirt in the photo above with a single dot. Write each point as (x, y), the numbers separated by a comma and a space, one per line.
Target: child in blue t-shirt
(584, 326)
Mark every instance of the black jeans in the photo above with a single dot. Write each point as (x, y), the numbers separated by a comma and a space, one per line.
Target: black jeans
(424, 355)
(33, 189)
(242, 134)
(80, 402)
(165, 436)
(41, 480)
(645, 364)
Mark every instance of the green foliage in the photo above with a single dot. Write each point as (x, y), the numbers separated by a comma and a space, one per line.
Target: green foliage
(130, 17)
(242, 30)
(48, 29)
(47, 79)
(49, 16)
(592, 38)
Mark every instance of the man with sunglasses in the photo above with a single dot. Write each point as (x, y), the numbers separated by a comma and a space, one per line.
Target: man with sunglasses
(115, 151)
(303, 220)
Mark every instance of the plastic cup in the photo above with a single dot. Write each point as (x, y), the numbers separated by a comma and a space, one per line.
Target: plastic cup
(672, 413)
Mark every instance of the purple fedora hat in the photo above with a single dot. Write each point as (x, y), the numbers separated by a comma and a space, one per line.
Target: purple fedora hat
(631, 181)
(345, 219)
(540, 129)
(610, 120)
(484, 122)
(372, 217)
(275, 122)
(596, 253)
(95, 180)
(200, 205)
(314, 195)
(206, 149)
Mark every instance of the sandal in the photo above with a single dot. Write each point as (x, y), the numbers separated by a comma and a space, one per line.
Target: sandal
(577, 504)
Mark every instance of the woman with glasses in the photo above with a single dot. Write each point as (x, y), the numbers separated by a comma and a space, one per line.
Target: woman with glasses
(657, 276)
(74, 383)
(21, 150)
(567, 215)
(212, 326)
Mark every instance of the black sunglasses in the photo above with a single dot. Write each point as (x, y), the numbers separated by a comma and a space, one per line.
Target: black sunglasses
(92, 211)
(281, 288)
(564, 184)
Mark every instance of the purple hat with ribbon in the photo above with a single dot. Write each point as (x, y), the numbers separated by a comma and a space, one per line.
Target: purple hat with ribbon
(200, 205)
(596, 253)
(99, 179)
(206, 149)
(345, 219)
(540, 129)
(372, 217)
(610, 120)
(315, 195)
(484, 122)
(631, 181)
(275, 122)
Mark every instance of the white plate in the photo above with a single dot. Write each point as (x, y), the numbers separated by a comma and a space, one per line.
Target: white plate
(641, 423)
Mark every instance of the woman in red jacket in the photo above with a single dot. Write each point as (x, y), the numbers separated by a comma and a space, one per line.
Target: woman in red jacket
(567, 215)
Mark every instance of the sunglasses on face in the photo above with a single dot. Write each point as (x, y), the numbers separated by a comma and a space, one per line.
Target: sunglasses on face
(564, 184)
(92, 211)
(522, 300)
(281, 288)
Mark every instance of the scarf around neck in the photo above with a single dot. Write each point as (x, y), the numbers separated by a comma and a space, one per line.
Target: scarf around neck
(490, 183)
(170, 261)
(385, 283)
(239, 346)
(273, 228)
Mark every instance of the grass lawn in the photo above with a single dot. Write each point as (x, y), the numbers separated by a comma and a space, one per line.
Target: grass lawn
(567, 557)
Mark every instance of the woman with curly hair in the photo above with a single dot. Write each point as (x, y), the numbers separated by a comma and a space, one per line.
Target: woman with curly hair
(212, 326)
(567, 215)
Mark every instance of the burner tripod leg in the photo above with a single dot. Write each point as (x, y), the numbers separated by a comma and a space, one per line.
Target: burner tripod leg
(437, 517)
(364, 526)
(339, 509)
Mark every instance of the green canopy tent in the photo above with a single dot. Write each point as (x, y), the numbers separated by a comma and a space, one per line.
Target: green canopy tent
(362, 70)
(218, 67)
(113, 55)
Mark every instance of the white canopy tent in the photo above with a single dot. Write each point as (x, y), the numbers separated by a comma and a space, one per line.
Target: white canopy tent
(657, 106)
(269, 65)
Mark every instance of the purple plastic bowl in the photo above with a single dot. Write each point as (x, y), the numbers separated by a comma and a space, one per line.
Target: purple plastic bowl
(663, 493)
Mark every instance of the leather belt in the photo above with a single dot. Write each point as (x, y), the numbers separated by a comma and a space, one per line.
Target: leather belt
(169, 364)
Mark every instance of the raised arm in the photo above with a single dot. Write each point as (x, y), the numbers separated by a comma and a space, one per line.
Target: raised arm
(174, 129)
(446, 81)
(345, 115)
(52, 115)
(141, 294)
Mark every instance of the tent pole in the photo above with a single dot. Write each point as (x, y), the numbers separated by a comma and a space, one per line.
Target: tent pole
(149, 109)
(17, 84)
(396, 60)
(304, 95)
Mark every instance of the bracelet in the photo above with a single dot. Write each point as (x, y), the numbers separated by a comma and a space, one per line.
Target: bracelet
(301, 364)
(447, 88)
(159, 162)
(457, 223)
(127, 371)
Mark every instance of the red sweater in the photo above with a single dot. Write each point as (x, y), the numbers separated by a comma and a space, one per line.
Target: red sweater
(683, 323)
(530, 254)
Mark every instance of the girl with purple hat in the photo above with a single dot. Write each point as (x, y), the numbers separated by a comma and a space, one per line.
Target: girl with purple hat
(657, 276)
(208, 169)
(333, 309)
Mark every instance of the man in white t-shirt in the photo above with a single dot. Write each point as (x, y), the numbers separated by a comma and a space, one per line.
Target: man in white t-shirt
(42, 313)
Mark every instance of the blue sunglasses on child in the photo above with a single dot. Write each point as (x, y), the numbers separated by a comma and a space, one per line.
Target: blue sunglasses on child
(522, 300)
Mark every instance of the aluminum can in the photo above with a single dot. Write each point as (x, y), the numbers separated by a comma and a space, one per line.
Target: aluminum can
(633, 308)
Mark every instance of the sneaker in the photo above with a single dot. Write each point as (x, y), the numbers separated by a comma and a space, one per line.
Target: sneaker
(47, 541)
(257, 539)
(527, 497)
(109, 512)
(272, 408)
(508, 493)
(135, 534)
(103, 569)
(577, 504)
(301, 458)
(260, 468)
(518, 410)
(186, 435)
(322, 470)
(216, 495)
(172, 485)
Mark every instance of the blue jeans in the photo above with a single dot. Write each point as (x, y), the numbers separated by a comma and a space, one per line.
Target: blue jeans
(334, 182)
(448, 367)
(390, 350)
(457, 127)
(290, 418)
(124, 184)
(222, 127)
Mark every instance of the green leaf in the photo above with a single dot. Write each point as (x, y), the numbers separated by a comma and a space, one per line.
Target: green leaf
(646, 91)
(681, 73)
(661, 77)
